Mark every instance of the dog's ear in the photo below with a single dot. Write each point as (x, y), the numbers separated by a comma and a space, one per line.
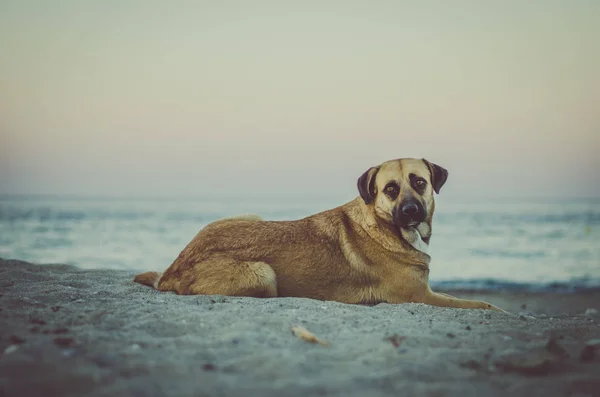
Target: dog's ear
(366, 185)
(439, 175)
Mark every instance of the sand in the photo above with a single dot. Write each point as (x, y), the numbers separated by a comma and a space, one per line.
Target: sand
(71, 332)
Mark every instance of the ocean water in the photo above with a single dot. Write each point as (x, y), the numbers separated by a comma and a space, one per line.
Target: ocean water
(516, 244)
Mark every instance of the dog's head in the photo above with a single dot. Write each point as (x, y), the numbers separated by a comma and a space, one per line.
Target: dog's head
(401, 193)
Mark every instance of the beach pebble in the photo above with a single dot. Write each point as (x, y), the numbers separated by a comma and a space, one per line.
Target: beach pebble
(209, 367)
(535, 361)
(15, 340)
(528, 363)
(396, 340)
(588, 353)
(590, 311)
(11, 349)
(525, 317)
(68, 352)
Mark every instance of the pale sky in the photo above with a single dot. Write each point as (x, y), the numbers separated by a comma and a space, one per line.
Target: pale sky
(182, 98)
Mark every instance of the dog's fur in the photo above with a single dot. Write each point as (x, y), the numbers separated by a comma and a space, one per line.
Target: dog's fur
(370, 250)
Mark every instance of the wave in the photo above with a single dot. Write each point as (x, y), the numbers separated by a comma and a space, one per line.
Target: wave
(578, 285)
(485, 218)
(44, 214)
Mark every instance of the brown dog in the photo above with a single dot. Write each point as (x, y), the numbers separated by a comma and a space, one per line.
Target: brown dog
(370, 250)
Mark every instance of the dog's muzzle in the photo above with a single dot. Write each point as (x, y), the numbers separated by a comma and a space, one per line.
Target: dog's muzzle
(409, 213)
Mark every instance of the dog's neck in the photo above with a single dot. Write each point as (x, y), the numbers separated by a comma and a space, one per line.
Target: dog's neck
(416, 237)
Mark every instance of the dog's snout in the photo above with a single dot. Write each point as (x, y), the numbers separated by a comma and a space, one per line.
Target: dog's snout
(410, 212)
(410, 209)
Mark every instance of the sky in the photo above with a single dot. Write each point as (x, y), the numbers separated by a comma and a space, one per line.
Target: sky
(277, 98)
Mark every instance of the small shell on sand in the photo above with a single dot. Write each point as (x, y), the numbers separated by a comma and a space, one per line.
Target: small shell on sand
(308, 336)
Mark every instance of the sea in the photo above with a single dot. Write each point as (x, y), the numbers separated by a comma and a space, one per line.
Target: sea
(509, 244)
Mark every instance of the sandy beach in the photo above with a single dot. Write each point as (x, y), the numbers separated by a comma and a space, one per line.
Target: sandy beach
(71, 332)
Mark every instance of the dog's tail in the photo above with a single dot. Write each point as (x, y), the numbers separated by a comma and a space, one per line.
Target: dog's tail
(149, 278)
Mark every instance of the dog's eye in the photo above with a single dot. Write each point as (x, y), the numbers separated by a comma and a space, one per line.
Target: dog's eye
(391, 189)
(420, 183)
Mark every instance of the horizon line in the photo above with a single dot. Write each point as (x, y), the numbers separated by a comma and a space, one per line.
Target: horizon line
(261, 196)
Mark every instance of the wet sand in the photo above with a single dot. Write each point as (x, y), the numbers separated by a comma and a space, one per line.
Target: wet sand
(71, 332)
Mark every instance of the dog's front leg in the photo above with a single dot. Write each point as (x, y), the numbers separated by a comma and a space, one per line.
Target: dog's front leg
(443, 294)
(444, 300)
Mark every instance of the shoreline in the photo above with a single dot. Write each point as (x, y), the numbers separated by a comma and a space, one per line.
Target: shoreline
(68, 331)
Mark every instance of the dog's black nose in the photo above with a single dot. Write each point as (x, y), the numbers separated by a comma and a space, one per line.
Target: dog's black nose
(410, 209)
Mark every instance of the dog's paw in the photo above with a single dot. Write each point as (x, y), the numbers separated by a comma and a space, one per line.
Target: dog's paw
(489, 306)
